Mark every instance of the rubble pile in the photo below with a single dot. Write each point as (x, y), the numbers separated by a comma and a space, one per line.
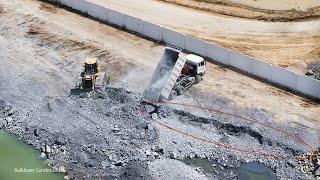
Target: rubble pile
(310, 163)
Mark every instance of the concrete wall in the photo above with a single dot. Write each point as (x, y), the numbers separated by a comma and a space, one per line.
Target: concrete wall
(307, 86)
(283, 77)
(195, 45)
(115, 17)
(82, 5)
(215, 53)
(68, 3)
(260, 69)
(133, 24)
(172, 38)
(152, 31)
(98, 11)
(239, 61)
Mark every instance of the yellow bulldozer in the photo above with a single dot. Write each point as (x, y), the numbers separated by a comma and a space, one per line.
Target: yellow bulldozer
(92, 77)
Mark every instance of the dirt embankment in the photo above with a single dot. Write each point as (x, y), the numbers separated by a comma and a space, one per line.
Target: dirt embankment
(242, 11)
(115, 66)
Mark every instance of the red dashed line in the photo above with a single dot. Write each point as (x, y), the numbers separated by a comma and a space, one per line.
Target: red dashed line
(227, 146)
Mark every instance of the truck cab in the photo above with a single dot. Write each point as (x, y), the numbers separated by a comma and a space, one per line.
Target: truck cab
(196, 64)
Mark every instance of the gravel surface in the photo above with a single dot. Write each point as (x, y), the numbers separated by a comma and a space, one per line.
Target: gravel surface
(103, 134)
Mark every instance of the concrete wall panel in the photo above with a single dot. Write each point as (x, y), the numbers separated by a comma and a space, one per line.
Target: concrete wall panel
(133, 24)
(172, 38)
(195, 45)
(82, 6)
(308, 86)
(239, 61)
(68, 3)
(260, 68)
(152, 31)
(217, 53)
(283, 77)
(115, 17)
(98, 11)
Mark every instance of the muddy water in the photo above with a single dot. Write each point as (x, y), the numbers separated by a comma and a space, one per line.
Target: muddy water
(247, 171)
(20, 161)
(255, 170)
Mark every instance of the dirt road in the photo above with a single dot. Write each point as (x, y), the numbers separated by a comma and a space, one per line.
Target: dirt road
(290, 44)
(104, 134)
(279, 5)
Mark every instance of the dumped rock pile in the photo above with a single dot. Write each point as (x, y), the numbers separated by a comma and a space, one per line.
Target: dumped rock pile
(314, 70)
(103, 134)
(310, 163)
(6, 112)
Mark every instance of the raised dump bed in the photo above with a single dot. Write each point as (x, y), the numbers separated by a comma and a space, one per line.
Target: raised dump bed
(165, 75)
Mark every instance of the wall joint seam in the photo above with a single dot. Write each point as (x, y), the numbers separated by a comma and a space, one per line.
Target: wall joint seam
(228, 57)
(249, 65)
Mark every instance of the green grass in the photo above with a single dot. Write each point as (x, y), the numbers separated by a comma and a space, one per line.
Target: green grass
(15, 155)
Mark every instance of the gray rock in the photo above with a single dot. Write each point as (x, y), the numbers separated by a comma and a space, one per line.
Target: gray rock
(149, 108)
(141, 157)
(148, 152)
(119, 163)
(145, 124)
(318, 172)
(113, 167)
(60, 141)
(309, 73)
(9, 120)
(173, 155)
(154, 116)
(105, 164)
(191, 155)
(36, 132)
(48, 149)
(156, 155)
(152, 157)
(43, 156)
(62, 169)
(116, 129)
(150, 127)
(43, 148)
(10, 112)
(142, 135)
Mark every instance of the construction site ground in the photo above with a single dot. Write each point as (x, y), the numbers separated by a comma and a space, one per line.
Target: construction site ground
(262, 10)
(286, 44)
(105, 134)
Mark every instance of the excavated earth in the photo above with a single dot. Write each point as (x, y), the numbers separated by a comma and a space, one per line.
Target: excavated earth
(111, 134)
(241, 10)
(314, 70)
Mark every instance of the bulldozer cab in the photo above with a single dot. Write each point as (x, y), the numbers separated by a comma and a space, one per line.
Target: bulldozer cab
(91, 66)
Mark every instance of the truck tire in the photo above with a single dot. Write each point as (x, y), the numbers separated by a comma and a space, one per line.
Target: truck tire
(179, 90)
(198, 78)
(173, 95)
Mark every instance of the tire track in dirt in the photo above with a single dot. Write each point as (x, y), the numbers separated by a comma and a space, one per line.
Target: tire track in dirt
(227, 8)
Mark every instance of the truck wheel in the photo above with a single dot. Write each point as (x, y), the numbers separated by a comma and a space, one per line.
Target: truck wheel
(173, 95)
(198, 79)
(179, 90)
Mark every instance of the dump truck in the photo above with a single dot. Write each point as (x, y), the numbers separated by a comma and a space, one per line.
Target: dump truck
(92, 77)
(174, 75)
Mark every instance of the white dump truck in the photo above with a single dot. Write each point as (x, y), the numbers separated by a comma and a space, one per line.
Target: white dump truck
(174, 74)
